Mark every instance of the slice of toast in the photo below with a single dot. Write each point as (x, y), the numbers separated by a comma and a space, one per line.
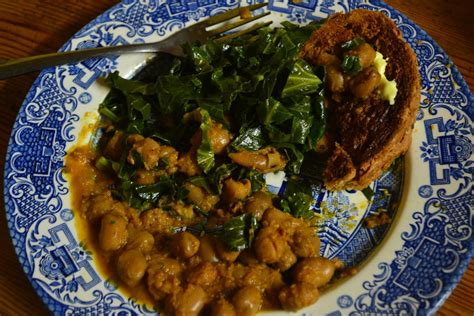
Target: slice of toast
(365, 135)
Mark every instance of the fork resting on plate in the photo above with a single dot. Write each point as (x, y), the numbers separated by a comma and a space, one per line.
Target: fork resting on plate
(196, 33)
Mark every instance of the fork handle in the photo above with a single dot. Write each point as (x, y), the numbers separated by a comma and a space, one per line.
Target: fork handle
(15, 67)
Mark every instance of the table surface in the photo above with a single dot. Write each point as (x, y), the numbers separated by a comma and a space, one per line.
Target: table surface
(29, 27)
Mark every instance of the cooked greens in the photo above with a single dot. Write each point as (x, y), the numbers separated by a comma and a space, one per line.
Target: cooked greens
(255, 86)
(351, 65)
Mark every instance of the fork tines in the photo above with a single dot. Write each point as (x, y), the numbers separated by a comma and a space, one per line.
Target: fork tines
(244, 12)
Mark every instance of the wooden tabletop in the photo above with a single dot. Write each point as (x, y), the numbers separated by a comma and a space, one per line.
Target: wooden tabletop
(29, 27)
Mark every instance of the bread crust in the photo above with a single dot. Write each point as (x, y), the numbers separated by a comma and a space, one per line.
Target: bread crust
(369, 134)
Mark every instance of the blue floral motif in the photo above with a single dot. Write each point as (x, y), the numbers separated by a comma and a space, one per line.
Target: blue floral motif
(298, 16)
(434, 251)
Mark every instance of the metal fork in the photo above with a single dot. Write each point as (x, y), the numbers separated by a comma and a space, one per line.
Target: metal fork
(196, 33)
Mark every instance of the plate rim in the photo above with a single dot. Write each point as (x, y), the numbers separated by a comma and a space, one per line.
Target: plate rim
(447, 289)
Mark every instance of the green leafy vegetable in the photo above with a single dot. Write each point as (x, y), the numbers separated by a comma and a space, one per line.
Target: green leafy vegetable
(272, 111)
(368, 193)
(256, 86)
(351, 65)
(298, 198)
(249, 138)
(298, 204)
(294, 156)
(301, 81)
(174, 91)
(256, 178)
(238, 232)
(205, 155)
(319, 125)
(221, 173)
(202, 182)
(106, 165)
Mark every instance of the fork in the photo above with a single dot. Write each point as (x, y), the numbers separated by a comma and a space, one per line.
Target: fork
(172, 44)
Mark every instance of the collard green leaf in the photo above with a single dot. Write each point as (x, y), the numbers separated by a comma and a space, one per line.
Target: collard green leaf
(319, 123)
(300, 128)
(139, 104)
(299, 205)
(272, 111)
(276, 135)
(301, 80)
(221, 173)
(174, 91)
(205, 154)
(297, 199)
(256, 178)
(249, 138)
(351, 65)
(215, 109)
(238, 232)
(299, 35)
(368, 193)
(202, 182)
(293, 154)
(130, 86)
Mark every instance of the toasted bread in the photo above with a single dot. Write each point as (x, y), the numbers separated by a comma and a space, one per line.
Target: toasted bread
(366, 134)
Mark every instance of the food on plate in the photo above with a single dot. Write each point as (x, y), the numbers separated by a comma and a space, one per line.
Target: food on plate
(373, 94)
(171, 191)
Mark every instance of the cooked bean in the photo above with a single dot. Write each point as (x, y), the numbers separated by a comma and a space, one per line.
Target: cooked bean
(222, 308)
(325, 59)
(287, 260)
(269, 245)
(187, 163)
(142, 241)
(224, 253)
(247, 257)
(164, 277)
(113, 149)
(113, 232)
(148, 149)
(298, 295)
(366, 54)
(101, 204)
(191, 301)
(274, 216)
(143, 176)
(247, 301)
(169, 159)
(365, 82)
(200, 197)
(131, 266)
(157, 221)
(185, 211)
(316, 271)
(235, 190)
(206, 250)
(305, 243)
(184, 245)
(219, 137)
(258, 203)
(264, 160)
(203, 274)
(334, 78)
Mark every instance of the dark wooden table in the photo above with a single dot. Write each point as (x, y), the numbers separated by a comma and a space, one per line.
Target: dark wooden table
(29, 27)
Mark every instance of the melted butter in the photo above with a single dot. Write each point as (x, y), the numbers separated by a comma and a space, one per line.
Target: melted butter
(388, 88)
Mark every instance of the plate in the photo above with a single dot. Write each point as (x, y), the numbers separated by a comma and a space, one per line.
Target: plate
(408, 267)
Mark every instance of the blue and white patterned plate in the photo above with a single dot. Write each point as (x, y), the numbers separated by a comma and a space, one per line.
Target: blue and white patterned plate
(407, 268)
